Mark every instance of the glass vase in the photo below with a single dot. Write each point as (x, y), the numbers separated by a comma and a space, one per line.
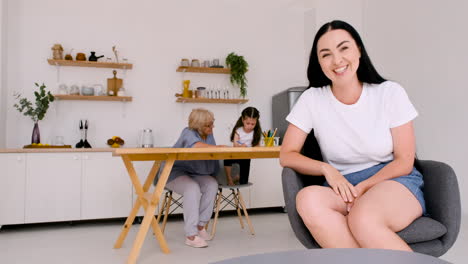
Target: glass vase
(36, 135)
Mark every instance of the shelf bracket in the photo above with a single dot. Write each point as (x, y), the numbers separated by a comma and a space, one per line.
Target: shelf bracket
(58, 72)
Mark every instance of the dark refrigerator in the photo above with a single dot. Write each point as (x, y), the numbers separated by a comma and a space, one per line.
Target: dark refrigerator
(282, 103)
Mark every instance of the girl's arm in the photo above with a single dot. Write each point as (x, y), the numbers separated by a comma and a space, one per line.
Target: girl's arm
(235, 142)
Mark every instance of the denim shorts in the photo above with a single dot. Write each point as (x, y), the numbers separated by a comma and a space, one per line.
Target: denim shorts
(413, 181)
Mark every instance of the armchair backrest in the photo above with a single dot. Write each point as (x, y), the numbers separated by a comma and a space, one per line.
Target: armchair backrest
(311, 147)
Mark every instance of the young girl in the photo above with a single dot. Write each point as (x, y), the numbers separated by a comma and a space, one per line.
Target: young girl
(246, 133)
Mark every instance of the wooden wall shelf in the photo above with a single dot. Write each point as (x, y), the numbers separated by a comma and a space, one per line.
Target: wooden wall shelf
(95, 64)
(204, 70)
(213, 101)
(94, 97)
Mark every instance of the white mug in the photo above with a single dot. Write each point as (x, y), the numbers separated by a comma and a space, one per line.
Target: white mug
(99, 89)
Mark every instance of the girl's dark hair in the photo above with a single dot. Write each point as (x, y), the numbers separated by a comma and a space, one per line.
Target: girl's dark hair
(251, 112)
(366, 71)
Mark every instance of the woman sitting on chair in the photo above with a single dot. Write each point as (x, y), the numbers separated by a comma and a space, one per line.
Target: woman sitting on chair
(195, 179)
(364, 127)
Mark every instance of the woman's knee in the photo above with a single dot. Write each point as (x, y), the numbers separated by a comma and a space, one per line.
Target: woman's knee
(192, 191)
(309, 201)
(211, 184)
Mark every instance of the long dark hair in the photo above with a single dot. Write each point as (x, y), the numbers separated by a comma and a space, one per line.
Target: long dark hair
(366, 71)
(251, 112)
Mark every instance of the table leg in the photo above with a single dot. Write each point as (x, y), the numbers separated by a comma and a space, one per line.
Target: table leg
(127, 225)
(149, 215)
(136, 206)
(149, 218)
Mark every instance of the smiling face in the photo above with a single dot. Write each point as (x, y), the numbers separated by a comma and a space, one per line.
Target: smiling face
(338, 56)
(249, 124)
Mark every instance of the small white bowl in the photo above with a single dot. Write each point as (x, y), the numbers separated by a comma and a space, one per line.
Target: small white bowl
(87, 90)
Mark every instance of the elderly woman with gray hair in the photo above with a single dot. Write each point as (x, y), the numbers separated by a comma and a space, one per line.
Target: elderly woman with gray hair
(195, 179)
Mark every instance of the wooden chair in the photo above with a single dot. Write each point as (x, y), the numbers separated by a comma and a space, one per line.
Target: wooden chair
(166, 209)
(233, 199)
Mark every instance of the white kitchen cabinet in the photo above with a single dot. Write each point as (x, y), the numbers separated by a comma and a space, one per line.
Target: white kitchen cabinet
(12, 188)
(53, 186)
(267, 190)
(71, 186)
(105, 187)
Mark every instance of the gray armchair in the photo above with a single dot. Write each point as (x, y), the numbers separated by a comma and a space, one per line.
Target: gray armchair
(432, 235)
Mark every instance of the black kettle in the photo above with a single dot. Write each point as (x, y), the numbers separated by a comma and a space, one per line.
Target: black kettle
(93, 56)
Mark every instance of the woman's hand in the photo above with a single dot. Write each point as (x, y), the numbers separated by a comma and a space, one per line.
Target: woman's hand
(238, 144)
(200, 144)
(339, 184)
(360, 188)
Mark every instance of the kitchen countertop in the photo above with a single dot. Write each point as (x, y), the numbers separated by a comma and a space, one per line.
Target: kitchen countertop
(54, 150)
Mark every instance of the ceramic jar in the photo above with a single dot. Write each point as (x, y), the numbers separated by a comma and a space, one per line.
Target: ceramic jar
(184, 63)
(57, 52)
(195, 63)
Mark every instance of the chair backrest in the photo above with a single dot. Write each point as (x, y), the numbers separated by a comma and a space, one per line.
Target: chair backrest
(311, 147)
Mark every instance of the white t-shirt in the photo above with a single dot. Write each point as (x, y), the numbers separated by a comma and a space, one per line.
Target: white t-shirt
(354, 137)
(244, 138)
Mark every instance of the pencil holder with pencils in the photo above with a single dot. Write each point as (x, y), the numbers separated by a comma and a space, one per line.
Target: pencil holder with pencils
(269, 139)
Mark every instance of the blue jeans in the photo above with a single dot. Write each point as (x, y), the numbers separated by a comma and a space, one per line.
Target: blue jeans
(413, 181)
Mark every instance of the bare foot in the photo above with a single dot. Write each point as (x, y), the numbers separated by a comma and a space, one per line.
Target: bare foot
(229, 181)
(236, 179)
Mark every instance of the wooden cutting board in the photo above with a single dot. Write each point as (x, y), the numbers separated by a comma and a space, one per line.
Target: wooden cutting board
(44, 146)
(114, 84)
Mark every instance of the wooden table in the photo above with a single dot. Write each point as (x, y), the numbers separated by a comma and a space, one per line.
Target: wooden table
(150, 201)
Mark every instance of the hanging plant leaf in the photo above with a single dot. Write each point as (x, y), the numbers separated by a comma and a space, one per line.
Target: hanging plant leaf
(239, 67)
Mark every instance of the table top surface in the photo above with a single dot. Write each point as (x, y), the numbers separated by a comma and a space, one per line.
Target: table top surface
(141, 154)
(338, 255)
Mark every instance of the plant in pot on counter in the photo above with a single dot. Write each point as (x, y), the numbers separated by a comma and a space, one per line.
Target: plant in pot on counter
(239, 67)
(36, 111)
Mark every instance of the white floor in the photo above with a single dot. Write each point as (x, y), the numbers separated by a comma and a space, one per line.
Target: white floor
(92, 242)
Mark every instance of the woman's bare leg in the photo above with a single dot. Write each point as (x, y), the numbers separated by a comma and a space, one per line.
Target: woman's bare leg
(324, 214)
(383, 210)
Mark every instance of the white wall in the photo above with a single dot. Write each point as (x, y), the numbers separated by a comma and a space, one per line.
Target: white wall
(422, 45)
(154, 35)
(349, 11)
(3, 93)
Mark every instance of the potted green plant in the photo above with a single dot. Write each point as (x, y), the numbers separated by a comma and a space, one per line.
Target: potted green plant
(239, 67)
(43, 99)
